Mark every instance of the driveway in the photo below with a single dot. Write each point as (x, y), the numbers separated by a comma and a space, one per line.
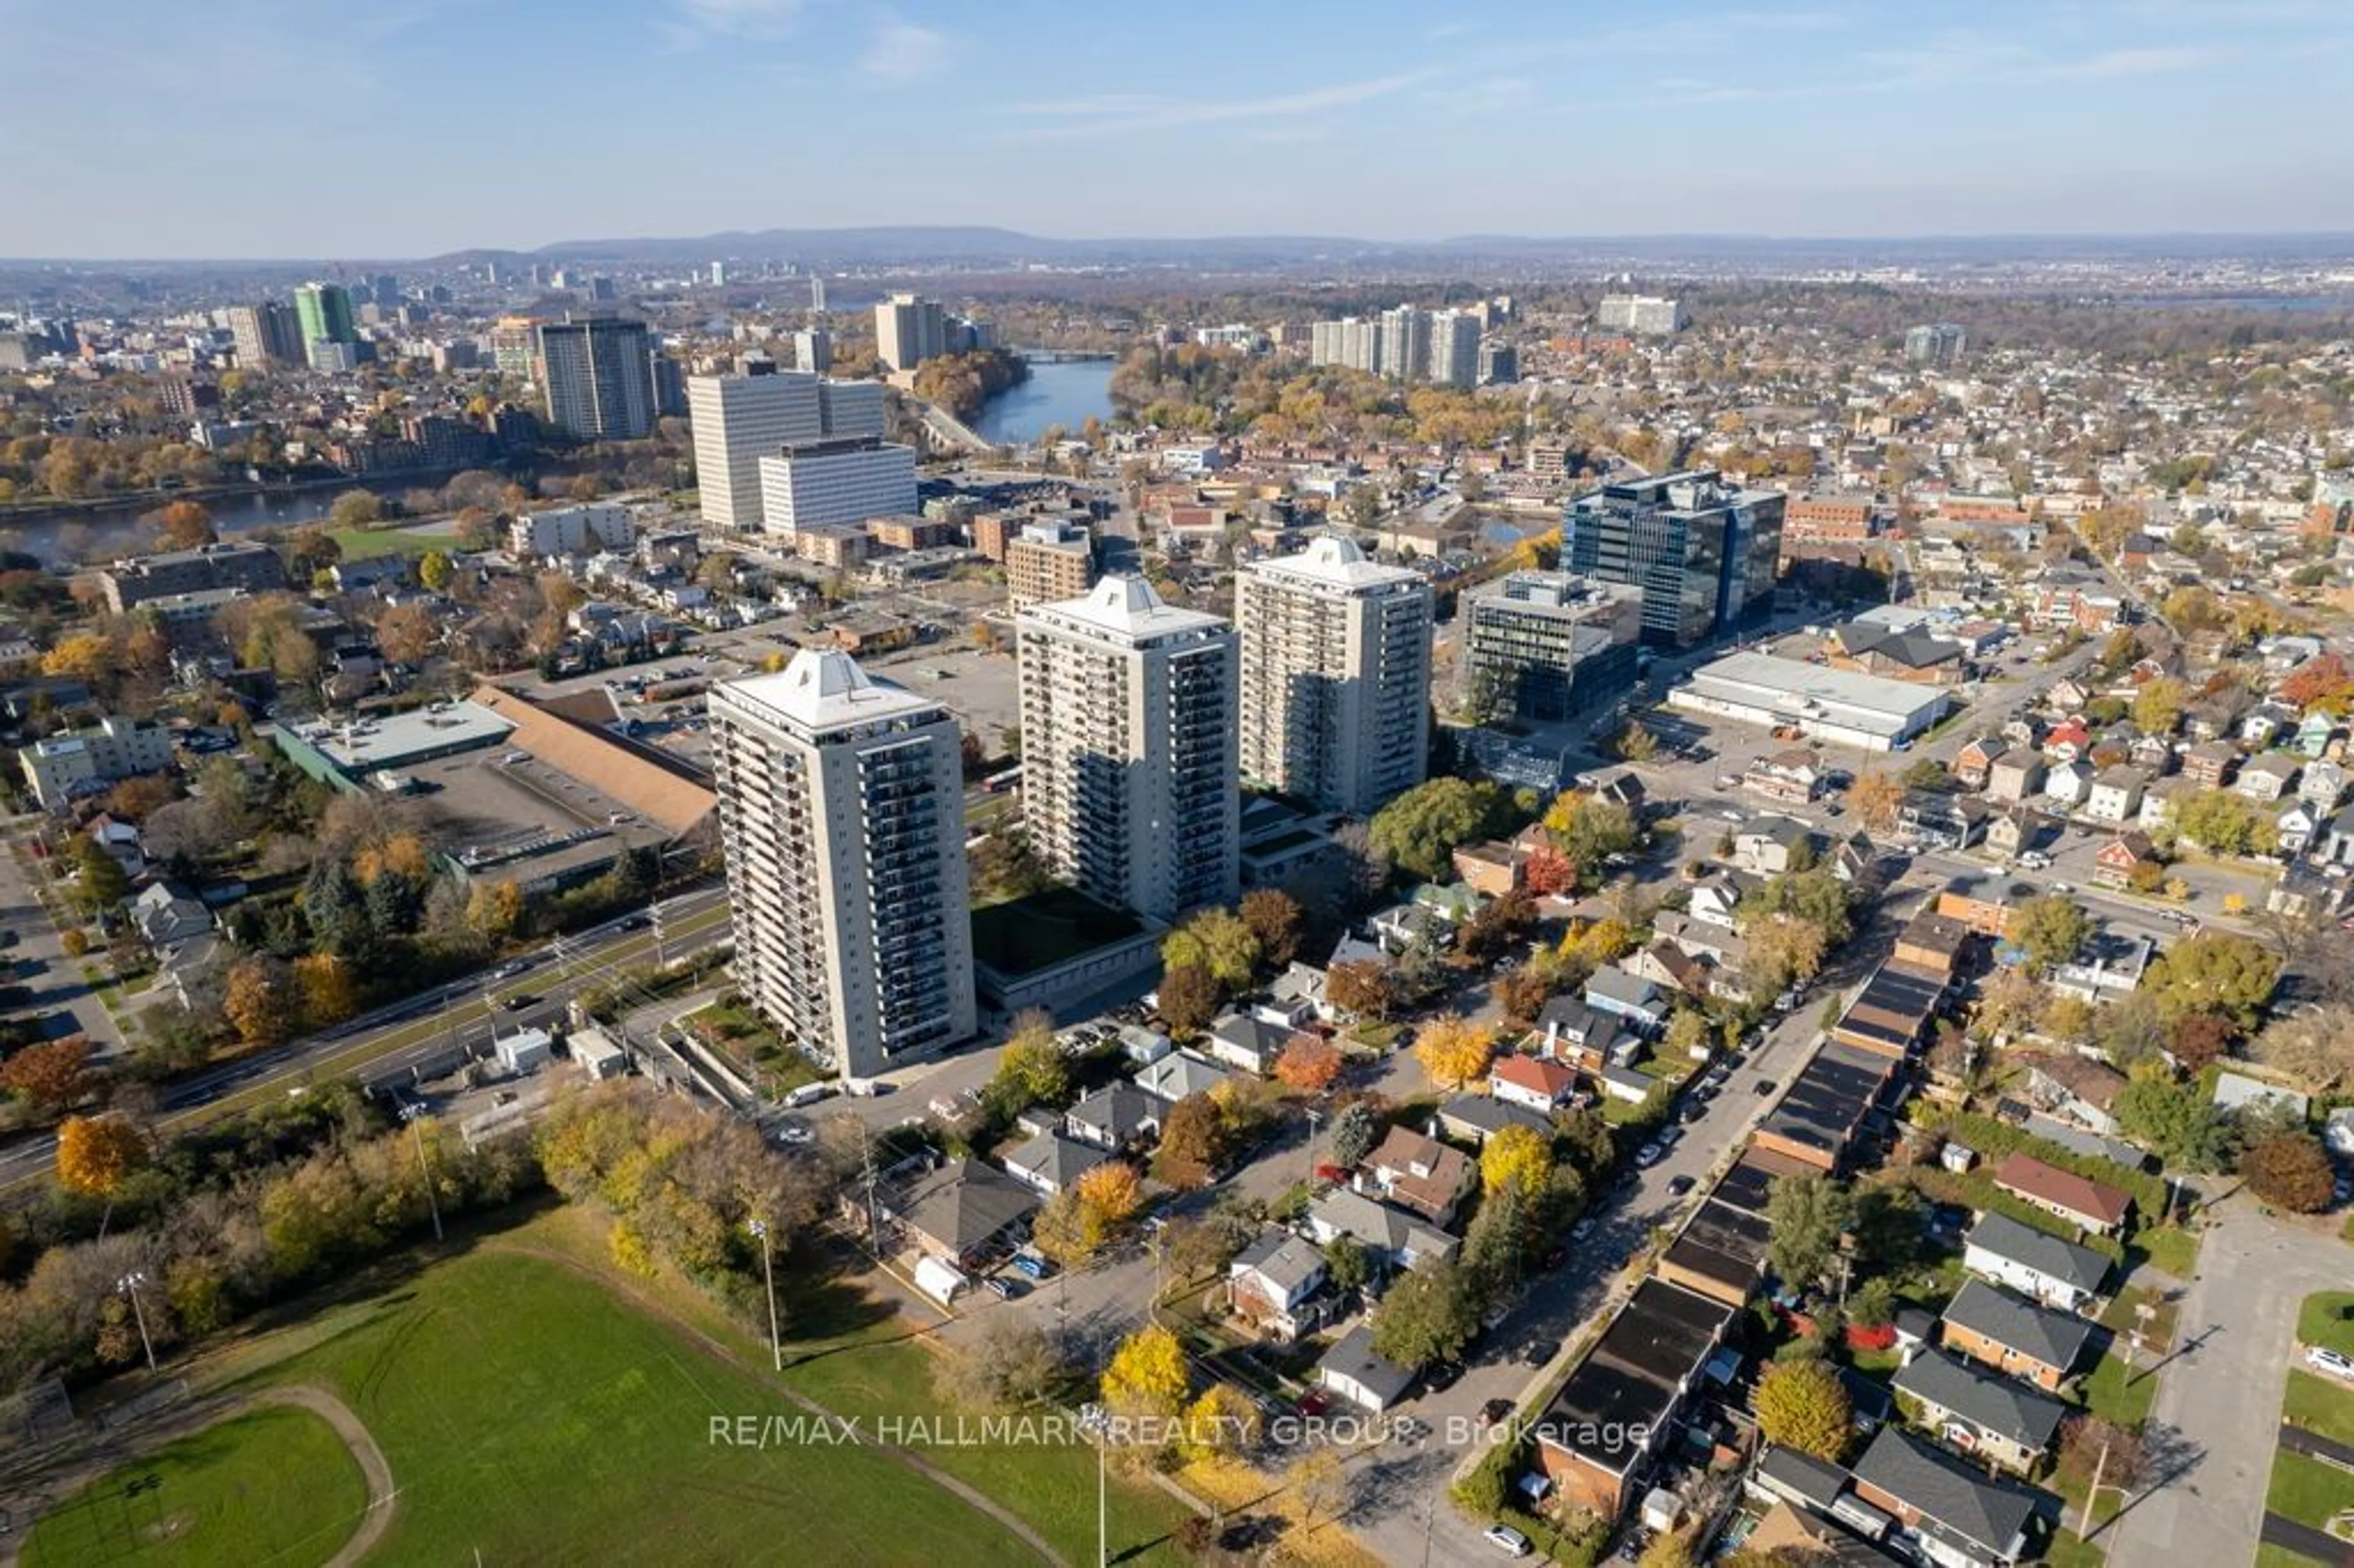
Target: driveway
(2219, 1401)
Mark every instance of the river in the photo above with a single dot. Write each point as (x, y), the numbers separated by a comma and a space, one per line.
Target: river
(1063, 392)
(101, 532)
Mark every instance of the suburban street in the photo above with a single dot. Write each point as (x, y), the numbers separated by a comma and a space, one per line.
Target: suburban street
(55, 981)
(2219, 1396)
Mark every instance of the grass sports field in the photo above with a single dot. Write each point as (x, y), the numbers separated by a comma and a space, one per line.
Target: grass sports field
(275, 1485)
(528, 1412)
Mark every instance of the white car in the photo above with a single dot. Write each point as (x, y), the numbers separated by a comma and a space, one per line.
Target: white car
(1506, 1540)
(1648, 1155)
(2336, 1363)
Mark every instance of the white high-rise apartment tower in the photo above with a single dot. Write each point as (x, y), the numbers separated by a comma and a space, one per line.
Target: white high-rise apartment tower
(740, 420)
(842, 811)
(1127, 748)
(1336, 676)
(1455, 349)
(909, 331)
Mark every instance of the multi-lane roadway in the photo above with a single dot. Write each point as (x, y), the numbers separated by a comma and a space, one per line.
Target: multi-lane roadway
(423, 1032)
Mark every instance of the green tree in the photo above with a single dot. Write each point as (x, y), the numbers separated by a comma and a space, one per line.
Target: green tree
(2173, 1119)
(1588, 830)
(1353, 1133)
(1032, 1070)
(1807, 1214)
(2050, 931)
(1428, 1316)
(1346, 1265)
(2157, 706)
(99, 883)
(356, 509)
(1219, 942)
(1420, 829)
(2216, 972)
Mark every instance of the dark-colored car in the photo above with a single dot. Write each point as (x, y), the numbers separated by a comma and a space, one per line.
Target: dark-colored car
(1440, 1376)
(520, 1001)
(1679, 1186)
(1495, 1410)
(1542, 1351)
(635, 922)
(1763, 1087)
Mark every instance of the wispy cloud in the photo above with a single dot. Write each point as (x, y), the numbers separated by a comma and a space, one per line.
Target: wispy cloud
(1983, 62)
(2114, 63)
(761, 19)
(906, 51)
(1100, 116)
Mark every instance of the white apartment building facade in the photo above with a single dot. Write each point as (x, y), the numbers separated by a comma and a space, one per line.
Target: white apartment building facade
(908, 330)
(572, 530)
(842, 811)
(1335, 676)
(836, 483)
(111, 749)
(1129, 748)
(1645, 315)
(740, 420)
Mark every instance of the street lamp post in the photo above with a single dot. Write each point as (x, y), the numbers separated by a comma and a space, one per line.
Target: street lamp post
(129, 1285)
(414, 1114)
(768, 1275)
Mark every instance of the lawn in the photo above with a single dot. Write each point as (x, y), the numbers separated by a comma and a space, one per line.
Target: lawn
(2157, 1331)
(2108, 1394)
(2327, 1318)
(2069, 1550)
(2320, 1405)
(1022, 936)
(272, 1485)
(2169, 1249)
(2307, 1490)
(529, 1415)
(362, 544)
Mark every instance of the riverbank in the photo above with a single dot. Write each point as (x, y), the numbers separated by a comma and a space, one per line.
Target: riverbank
(1059, 391)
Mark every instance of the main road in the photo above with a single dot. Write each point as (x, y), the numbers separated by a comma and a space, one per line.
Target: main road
(428, 1028)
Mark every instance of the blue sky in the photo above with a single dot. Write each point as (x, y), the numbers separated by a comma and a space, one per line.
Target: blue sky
(396, 128)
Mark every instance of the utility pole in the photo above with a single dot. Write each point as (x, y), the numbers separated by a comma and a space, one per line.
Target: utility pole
(413, 1114)
(769, 1274)
(1103, 1514)
(2084, 1530)
(130, 1284)
(1314, 1117)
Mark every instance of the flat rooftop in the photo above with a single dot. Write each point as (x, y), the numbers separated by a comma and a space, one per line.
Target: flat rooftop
(363, 745)
(1796, 689)
(1022, 936)
(524, 820)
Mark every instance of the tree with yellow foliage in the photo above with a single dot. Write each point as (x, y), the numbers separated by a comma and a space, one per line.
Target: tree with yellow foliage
(1518, 1157)
(495, 908)
(1222, 1421)
(328, 992)
(1876, 797)
(1599, 943)
(1112, 1190)
(83, 656)
(260, 1002)
(1454, 1050)
(97, 1153)
(1147, 1376)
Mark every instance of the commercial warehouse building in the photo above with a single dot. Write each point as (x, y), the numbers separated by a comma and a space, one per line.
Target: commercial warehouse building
(1835, 705)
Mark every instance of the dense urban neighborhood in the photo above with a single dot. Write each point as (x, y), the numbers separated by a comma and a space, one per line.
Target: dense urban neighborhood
(1704, 920)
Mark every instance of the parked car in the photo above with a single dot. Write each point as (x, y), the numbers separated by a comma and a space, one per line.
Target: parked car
(2335, 1362)
(1679, 1186)
(1315, 1401)
(1004, 1290)
(1495, 1410)
(1648, 1155)
(1439, 1376)
(1507, 1539)
(1763, 1087)
(808, 1093)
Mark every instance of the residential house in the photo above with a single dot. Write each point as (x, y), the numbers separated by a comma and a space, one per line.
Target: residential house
(1274, 1284)
(1179, 1076)
(1997, 1329)
(1475, 1118)
(2209, 765)
(963, 1212)
(2055, 1271)
(2296, 826)
(1932, 942)
(2303, 892)
(1670, 967)
(2153, 754)
(2116, 794)
(2236, 1092)
(1856, 859)
(2015, 777)
(2067, 741)
(1539, 1082)
(1716, 898)
(119, 840)
(1935, 820)
(1996, 1419)
(2069, 784)
(1618, 1408)
(1049, 1163)
(1248, 1041)
(2322, 784)
(1491, 869)
(1586, 1037)
(1637, 1000)
(1351, 1370)
(166, 913)
(2107, 967)
(1794, 777)
(2013, 831)
(1298, 993)
(2087, 1204)
(2314, 733)
(1626, 1085)
(2115, 862)
(2076, 1089)
(2069, 693)
(2337, 844)
(1975, 764)
(1398, 1239)
(2269, 777)
(1946, 1514)
(1417, 1173)
(1770, 844)
(1118, 1116)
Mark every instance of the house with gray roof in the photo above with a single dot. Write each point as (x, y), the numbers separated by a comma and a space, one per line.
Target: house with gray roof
(2237, 1092)
(1118, 1116)
(1993, 1418)
(1352, 1371)
(1048, 1163)
(1179, 1074)
(1400, 1240)
(2055, 1271)
(1277, 1283)
(1630, 997)
(2012, 1334)
(963, 1211)
(1946, 1513)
